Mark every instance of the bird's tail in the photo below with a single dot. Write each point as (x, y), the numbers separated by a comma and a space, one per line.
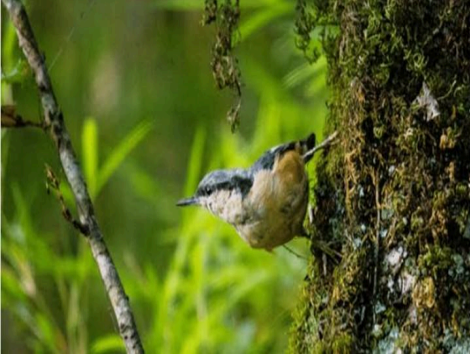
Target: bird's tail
(307, 144)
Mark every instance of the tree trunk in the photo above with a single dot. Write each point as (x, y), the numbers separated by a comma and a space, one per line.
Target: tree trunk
(393, 197)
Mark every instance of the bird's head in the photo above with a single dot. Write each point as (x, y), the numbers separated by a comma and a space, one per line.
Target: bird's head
(220, 191)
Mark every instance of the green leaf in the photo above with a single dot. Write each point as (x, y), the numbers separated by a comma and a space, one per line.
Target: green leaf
(122, 151)
(195, 160)
(9, 44)
(311, 75)
(90, 154)
(46, 332)
(11, 287)
(107, 344)
(263, 17)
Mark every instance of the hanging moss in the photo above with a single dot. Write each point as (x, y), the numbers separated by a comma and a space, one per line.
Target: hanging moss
(394, 196)
(225, 15)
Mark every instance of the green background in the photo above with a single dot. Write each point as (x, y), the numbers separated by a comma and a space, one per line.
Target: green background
(134, 82)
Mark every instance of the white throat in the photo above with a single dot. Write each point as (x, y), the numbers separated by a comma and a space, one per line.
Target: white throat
(226, 204)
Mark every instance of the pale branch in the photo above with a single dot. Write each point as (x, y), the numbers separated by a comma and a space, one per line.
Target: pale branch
(330, 140)
(54, 121)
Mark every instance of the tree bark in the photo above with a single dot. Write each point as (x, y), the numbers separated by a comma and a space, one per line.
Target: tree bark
(55, 124)
(394, 195)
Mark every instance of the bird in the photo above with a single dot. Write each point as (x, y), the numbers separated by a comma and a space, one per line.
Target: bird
(267, 202)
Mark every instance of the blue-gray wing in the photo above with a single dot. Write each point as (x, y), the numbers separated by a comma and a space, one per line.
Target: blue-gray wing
(266, 161)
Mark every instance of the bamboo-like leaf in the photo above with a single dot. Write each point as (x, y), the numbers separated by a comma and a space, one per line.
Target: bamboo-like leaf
(121, 152)
(90, 154)
(195, 160)
(108, 344)
(263, 17)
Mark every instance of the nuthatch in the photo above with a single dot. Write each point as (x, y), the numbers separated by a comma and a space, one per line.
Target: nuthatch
(267, 202)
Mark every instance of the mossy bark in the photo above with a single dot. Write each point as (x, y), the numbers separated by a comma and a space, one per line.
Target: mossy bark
(393, 197)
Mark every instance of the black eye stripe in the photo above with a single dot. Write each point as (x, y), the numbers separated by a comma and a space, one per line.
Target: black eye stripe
(230, 180)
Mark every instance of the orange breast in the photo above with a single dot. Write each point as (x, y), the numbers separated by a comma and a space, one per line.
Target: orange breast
(278, 202)
(290, 168)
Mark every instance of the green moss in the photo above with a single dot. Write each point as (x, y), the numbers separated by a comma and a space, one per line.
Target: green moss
(398, 179)
(434, 260)
(342, 344)
(225, 15)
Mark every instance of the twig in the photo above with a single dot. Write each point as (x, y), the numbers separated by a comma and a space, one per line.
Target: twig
(294, 253)
(53, 183)
(12, 120)
(54, 120)
(325, 143)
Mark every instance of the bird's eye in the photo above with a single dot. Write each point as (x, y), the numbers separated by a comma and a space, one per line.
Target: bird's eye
(208, 190)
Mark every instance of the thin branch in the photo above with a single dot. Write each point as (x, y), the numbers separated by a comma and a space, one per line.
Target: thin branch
(324, 144)
(290, 250)
(12, 120)
(54, 184)
(54, 121)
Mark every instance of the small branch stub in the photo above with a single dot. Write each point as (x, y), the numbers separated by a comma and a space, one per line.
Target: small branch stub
(54, 184)
(330, 140)
(12, 120)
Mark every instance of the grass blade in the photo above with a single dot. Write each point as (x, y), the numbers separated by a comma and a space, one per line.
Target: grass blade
(122, 151)
(90, 154)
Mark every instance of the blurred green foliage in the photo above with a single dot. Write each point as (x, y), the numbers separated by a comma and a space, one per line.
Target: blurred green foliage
(141, 70)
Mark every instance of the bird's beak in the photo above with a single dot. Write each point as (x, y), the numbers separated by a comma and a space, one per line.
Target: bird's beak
(187, 201)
